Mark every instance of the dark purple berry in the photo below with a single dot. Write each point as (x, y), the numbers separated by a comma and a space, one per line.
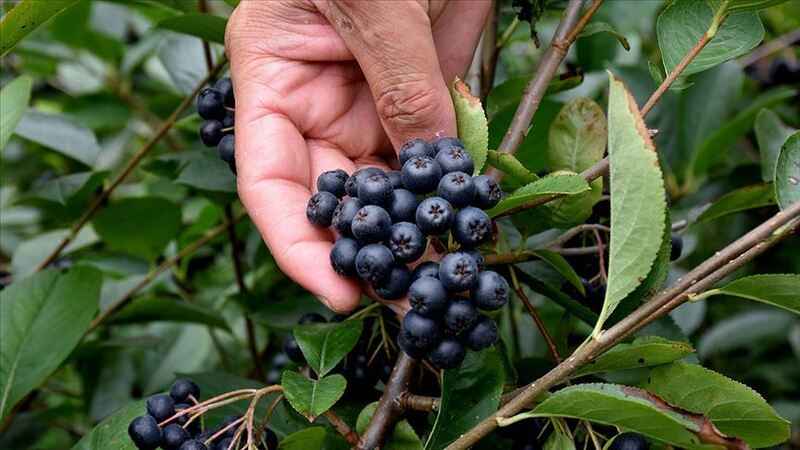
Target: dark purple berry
(194, 427)
(629, 441)
(406, 344)
(229, 122)
(344, 214)
(174, 436)
(320, 209)
(446, 143)
(145, 433)
(482, 335)
(406, 242)
(491, 291)
(415, 147)
(477, 256)
(420, 332)
(161, 407)
(421, 174)
(471, 227)
(374, 262)
(225, 87)
(193, 444)
(458, 272)
(459, 316)
(434, 215)
(449, 354)
(182, 388)
(676, 248)
(402, 206)
(351, 186)
(211, 132)
(375, 189)
(426, 269)
(226, 149)
(371, 224)
(457, 188)
(292, 349)
(455, 159)
(395, 285)
(343, 256)
(428, 297)
(211, 104)
(395, 179)
(487, 192)
(333, 181)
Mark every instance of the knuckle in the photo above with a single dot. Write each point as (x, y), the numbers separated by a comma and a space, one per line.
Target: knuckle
(411, 104)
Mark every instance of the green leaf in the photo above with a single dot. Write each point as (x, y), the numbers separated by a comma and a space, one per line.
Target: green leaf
(184, 347)
(139, 226)
(204, 26)
(59, 133)
(605, 27)
(642, 352)
(563, 267)
(511, 166)
(735, 409)
(325, 344)
(25, 17)
(559, 440)
(63, 190)
(554, 293)
(154, 309)
(716, 146)
(771, 133)
(42, 319)
(787, 173)
(470, 393)
(742, 199)
(15, 97)
(205, 170)
(403, 437)
(566, 184)
(683, 22)
(473, 128)
(749, 5)
(638, 205)
(781, 290)
(312, 397)
(629, 408)
(509, 92)
(747, 330)
(313, 437)
(29, 254)
(112, 432)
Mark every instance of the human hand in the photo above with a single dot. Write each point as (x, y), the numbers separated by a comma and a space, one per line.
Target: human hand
(323, 85)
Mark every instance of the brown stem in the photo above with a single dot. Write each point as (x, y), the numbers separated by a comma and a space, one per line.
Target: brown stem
(185, 252)
(537, 319)
(202, 6)
(771, 47)
(723, 263)
(128, 169)
(422, 403)
(388, 411)
(347, 433)
(489, 53)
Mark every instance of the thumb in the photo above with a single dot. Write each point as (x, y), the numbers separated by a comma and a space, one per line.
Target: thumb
(393, 44)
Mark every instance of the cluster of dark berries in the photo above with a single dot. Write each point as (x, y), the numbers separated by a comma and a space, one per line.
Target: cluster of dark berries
(384, 220)
(216, 105)
(163, 428)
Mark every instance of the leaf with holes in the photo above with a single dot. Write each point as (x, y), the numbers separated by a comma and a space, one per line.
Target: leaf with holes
(325, 344)
(735, 409)
(638, 200)
(311, 398)
(787, 173)
(642, 352)
(473, 128)
(742, 199)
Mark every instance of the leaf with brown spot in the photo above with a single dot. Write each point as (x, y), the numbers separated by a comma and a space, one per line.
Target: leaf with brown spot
(473, 128)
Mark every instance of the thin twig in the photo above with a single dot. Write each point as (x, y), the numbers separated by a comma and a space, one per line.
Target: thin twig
(771, 47)
(185, 252)
(128, 169)
(202, 6)
(489, 53)
(551, 345)
(347, 433)
(723, 263)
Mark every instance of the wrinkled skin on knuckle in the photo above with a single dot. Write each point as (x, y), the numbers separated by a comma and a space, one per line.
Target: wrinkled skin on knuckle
(408, 105)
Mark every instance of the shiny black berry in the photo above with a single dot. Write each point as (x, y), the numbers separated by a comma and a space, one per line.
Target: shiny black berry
(487, 192)
(448, 354)
(458, 272)
(395, 285)
(292, 349)
(375, 189)
(629, 441)
(455, 159)
(428, 297)
(351, 185)
(211, 132)
(226, 150)
(193, 444)
(483, 334)
(421, 174)
(395, 179)
(446, 143)
(457, 188)
(415, 147)
(174, 436)
(472, 227)
(333, 181)
(344, 214)
(459, 316)
(434, 215)
(406, 242)
(161, 407)
(402, 205)
(477, 256)
(343, 256)
(320, 209)
(182, 388)
(407, 345)
(374, 262)
(371, 224)
(420, 332)
(491, 291)
(677, 247)
(426, 269)
(225, 86)
(228, 122)
(145, 433)
(211, 104)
